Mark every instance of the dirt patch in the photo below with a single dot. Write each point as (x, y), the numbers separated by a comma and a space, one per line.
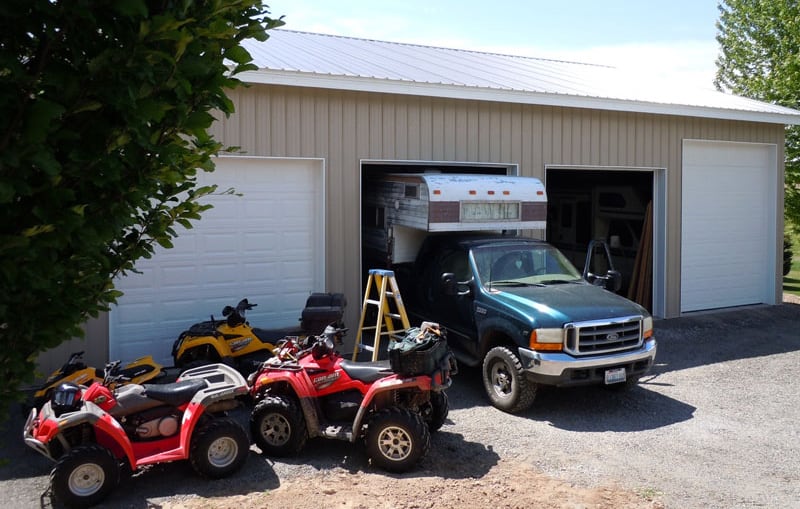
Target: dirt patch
(509, 484)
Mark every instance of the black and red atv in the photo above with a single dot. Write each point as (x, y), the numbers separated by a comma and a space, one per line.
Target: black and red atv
(309, 390)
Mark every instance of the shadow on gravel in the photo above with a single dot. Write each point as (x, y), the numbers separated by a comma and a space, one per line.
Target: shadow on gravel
(583, 408)
(450, 456)
(599, 409)
(707, 338)
(176, 479)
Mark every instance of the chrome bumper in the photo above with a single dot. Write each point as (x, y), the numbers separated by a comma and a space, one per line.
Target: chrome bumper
(557, 368)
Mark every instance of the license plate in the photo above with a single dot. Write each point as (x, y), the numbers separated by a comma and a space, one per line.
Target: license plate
(615, 376)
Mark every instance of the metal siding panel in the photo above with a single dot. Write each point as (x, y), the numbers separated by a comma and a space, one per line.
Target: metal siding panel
(472, 136)
(376, 127)
(438, 131)
(451, 129)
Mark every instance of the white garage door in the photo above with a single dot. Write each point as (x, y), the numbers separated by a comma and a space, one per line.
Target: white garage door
(728, 225)
(266, 245)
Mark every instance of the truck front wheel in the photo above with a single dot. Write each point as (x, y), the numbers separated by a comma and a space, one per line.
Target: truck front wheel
(505, 382)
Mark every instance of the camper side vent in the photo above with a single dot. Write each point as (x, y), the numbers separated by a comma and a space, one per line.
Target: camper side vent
(411, 191)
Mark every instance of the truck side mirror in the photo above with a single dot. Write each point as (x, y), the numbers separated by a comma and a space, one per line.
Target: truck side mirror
(449, 284)
(452, 287)
(613, 280)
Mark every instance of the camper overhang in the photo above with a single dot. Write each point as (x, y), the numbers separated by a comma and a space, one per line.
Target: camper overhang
(484, 202)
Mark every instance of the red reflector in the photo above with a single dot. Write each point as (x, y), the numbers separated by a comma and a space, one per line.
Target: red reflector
(436, 191)
(472, 191)
(506, 193)
(539, 193)
(490, 192)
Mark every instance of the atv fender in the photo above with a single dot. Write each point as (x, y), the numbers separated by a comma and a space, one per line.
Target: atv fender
(190, 343)
(50, 427)
(390, 383)
(299, 385)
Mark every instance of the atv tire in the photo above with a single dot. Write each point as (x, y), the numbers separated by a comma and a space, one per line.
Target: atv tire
(219, 448)
(436, 414)
(84, 476)
(278, 426)
(397, 439)
(505, 381)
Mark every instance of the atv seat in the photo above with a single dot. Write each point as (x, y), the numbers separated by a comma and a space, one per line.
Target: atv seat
(367, 372)
(176, 393)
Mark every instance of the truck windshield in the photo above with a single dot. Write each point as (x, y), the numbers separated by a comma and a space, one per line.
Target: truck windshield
(523, 264)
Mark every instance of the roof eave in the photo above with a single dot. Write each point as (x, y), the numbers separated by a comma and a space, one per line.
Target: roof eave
(363, 84)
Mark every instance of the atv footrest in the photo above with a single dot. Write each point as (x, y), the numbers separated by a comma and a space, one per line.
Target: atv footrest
(339, 432)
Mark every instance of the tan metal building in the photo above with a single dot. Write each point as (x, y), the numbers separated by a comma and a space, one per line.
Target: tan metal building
(322, 112)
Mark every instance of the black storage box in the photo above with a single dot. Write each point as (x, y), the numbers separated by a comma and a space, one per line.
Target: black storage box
(418, 353)
(322, 309)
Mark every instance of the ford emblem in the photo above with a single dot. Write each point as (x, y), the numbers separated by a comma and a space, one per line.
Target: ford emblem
(612, 337)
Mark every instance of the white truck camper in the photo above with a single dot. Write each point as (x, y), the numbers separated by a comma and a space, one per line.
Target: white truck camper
(402, 209)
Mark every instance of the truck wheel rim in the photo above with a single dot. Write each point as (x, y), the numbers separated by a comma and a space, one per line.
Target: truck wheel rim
(501, 379)
(87, 479)
(275, 429)
(395, 443)
(223, 452)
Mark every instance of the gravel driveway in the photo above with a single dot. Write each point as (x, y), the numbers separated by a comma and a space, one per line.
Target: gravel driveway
(716, 424)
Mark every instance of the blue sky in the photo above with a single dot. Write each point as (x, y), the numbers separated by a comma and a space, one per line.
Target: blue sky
(667, 39)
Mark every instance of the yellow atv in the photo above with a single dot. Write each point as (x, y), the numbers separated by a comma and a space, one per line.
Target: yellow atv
(234, 342)
(142, 370)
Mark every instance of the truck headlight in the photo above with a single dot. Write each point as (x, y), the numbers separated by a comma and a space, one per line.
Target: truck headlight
(647, 327)
(547, 339)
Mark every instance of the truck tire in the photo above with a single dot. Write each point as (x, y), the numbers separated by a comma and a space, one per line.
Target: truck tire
(278, 426)
(397, 439)
(84, 476)
(505, 382)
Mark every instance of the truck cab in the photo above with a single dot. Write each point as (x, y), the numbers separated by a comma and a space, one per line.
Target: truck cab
(519, 308)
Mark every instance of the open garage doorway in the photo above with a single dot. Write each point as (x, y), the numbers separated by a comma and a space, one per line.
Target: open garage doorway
(624, 208)
(374, 227)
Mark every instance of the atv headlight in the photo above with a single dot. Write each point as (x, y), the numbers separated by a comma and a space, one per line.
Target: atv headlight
(66, 398)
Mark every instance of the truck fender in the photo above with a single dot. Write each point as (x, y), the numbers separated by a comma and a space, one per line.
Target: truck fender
(498, 331)
(390, 383)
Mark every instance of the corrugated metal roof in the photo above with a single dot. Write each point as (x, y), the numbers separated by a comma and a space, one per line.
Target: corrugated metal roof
(345, 63)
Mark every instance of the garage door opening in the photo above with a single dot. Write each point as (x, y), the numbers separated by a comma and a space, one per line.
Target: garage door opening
(373, 217)
(615, 206)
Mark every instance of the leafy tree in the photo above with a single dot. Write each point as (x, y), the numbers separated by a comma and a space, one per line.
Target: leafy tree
(105, 107)
(760, 58)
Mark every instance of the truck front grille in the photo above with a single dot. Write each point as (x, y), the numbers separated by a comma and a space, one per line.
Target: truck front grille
(603, 336)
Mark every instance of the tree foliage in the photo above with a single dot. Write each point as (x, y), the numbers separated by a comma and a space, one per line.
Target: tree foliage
(760, 58)
(105, 107)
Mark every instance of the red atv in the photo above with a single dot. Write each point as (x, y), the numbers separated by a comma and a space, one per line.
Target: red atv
(308, 390)
(92, 432)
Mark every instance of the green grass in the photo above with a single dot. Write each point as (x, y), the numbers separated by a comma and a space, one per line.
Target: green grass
(791, 282)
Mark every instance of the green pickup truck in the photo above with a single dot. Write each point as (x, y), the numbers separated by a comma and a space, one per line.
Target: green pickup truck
(518, 308)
